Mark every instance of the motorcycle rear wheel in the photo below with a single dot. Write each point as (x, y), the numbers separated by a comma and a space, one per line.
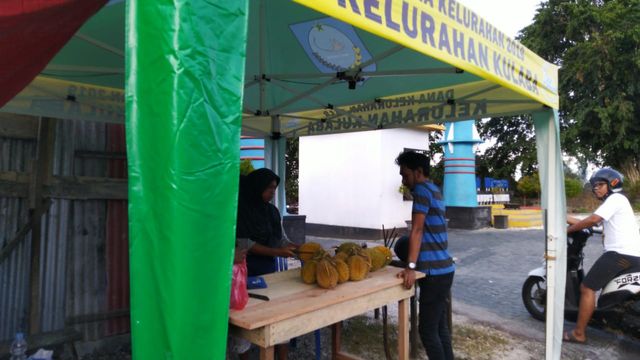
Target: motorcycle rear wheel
(630, 318)
(534, 296)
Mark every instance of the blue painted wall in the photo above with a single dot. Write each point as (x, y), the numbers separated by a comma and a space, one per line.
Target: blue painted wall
(460, 164)
(252, 148)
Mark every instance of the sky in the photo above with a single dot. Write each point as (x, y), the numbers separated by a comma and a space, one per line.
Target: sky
(510, 16)
(507, 15)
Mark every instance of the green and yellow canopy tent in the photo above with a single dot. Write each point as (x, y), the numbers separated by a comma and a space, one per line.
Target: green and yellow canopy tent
(193, 74)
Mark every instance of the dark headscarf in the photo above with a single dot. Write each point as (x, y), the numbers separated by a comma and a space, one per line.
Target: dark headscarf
(258, 220)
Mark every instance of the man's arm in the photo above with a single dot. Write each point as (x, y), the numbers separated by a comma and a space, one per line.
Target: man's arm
(415, 240)
(572, 220)
(590, 221)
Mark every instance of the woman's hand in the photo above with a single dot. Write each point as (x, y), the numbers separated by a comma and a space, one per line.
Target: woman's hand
(239, 256)
(286, 251)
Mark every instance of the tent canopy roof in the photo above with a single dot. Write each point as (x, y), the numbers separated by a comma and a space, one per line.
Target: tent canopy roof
(308, 73)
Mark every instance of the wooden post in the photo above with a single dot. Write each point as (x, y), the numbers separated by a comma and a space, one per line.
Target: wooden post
(336, 330)
(41, 175)
(267, 353)
(403, 330)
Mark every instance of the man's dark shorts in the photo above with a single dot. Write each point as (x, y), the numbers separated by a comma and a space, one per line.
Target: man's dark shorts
(607, 267)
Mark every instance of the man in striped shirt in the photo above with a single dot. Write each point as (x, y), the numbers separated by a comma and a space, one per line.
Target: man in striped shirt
(425, 250)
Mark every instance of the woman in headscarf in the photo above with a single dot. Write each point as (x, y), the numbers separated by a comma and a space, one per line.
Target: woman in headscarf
(259, 221)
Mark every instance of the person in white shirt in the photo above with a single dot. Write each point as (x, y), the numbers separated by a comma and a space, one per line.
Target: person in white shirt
(621, 240)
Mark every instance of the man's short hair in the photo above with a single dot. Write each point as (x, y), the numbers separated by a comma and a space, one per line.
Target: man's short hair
(413, 161)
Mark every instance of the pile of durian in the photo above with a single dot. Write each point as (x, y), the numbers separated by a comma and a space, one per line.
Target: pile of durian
(351, 262)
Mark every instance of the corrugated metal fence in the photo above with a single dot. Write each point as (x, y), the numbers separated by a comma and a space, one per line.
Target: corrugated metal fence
(84, 254)
(14, 271)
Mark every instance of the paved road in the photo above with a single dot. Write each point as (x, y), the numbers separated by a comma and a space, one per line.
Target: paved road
(492, 265)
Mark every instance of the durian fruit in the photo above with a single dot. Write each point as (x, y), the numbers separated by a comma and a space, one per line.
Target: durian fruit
(326, 274)
(363, 253)
(341, 256)
(377, 259)
(308, 250)
(386, 252)
(347, 247)
(343, 270)
(319, 254)
(358, 267)
(308, 271)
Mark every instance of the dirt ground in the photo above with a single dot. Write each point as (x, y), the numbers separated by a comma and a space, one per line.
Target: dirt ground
(362, 336)
(470, 341)
(473, 339)
(477, 335)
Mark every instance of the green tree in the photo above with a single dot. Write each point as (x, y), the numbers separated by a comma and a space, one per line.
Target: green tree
(529, 187)
(436, 172)
(572, 187)
(246, 167)
(597, 45)
(291, 164)
(514, 149)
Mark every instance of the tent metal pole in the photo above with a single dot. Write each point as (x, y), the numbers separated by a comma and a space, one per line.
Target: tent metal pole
(275, 160)
(84, 69)
(300, 117)
(382, 55)
(100, 44)
(249, 84)
(257, 131)
(314, 75)
(324, 104)
(296, 92)
(554, 204)
(261, 48)
(487, 89)
(303, 95)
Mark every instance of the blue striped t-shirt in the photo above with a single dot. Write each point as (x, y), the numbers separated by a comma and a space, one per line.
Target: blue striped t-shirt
(434, 258)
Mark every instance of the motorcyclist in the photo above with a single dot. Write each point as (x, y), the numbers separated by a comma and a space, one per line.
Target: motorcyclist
(621, 241)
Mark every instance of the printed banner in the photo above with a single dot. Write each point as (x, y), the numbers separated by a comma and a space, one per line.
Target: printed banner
(68, 100)
(460, 102)
(446, 30)
(332, 45)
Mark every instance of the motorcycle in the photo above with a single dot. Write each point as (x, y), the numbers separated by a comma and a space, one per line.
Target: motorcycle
(618, 305)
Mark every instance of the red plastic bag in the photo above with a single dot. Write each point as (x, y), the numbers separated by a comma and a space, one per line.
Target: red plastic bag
(239, 293)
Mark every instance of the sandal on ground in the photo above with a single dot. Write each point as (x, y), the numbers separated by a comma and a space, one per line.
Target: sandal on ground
(568, 336)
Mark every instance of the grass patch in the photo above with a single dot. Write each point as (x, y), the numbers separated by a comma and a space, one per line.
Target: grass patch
(362, 336)
(477, 342)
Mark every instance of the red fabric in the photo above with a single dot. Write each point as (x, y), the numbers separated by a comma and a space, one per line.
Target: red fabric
(31, 33)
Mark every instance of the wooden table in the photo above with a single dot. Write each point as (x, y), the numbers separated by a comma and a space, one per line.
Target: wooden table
(295, 308)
